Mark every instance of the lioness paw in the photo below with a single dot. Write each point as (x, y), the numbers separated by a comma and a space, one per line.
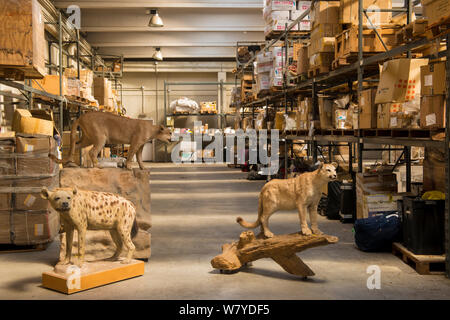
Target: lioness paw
(306, 231)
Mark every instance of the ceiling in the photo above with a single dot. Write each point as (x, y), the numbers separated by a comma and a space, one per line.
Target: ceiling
(193, 30)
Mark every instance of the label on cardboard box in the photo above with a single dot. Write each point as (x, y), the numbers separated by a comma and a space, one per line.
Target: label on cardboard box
(393, 121)
(428, 79)
(28, 148)
(38, 230)
(430, 119)
(29, 200)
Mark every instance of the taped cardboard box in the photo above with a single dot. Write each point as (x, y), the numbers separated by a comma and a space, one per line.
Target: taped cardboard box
(28, 228)
(432, 112)
(38, 148)
(383, 116)
(349, 12)
(368, 109)
(302, 59)
(50, 84)
(399, 80)
(325, 113)
(434, 176)
(432, 79)
(372, 188)
(7, 165)
(24, 122)
(325, 12)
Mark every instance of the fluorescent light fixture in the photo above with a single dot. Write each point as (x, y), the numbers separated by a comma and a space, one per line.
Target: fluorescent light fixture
(155, 20)
(158, 54)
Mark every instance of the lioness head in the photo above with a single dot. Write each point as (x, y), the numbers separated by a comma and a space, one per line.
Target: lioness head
(328, 170)
(164, 134)
(60, 199)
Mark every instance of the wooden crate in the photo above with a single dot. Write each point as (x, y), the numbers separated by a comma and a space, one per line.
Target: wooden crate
(347, 41)
(246, 87)
(22, 41)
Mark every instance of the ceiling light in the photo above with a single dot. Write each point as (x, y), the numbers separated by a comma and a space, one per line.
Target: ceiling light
(155, 20)
(158, 54)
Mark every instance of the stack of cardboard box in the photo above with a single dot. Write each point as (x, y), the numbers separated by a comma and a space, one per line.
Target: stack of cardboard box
(432, 108)
(279, 13)
(25, 217)
(324, 27)
(304, 113)
(398, 93)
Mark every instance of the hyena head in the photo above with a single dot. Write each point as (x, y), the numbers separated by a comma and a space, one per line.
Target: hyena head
(60, 199)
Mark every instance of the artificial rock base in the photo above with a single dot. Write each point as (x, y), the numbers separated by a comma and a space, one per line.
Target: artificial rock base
(282, 249)
(133, 185)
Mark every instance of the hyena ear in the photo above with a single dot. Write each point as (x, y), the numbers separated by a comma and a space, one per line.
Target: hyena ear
(335, 164)
(320, 166)
(161, 128)
(45, 194)
(75, 190)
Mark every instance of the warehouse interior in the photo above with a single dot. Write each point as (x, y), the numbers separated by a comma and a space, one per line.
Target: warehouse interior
(258, 96)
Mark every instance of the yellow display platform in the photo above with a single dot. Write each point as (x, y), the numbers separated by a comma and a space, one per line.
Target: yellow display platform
(70, 279)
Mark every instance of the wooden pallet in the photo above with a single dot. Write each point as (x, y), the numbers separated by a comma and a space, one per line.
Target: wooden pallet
(292, 34)
(316, 71)
(423, 264)
(11, 248)
(398, 133)
(208, 112)
(19, 73)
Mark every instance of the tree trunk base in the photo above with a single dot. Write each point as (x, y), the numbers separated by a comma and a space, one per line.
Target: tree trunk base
(282, 249)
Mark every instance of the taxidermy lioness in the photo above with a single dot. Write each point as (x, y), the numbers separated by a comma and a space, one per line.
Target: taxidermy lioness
(100, 128)
(302, 193)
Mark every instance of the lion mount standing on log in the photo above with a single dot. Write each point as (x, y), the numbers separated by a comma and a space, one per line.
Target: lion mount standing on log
(100, 128)
(302, 193)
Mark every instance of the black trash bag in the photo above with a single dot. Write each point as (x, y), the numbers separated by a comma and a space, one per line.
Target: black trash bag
(376, 234)
(334, 200)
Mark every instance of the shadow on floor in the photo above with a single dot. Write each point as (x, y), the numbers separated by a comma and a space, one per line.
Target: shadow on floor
(23, 285)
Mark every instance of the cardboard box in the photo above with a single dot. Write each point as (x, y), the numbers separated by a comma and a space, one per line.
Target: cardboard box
(349, 12)
(303, 60)
(50, 84)
(23, 122)
(22, 39)
(432, 79)
(323, 37)
(368, 109)
(39, 147)
(399, 80)
(372, 188)
(436, 10)
(29, 228)
(432, 112)
(434, 176)
(326, 113)
(102, 90)
(383, 116)
(325, 12)
(280, 4)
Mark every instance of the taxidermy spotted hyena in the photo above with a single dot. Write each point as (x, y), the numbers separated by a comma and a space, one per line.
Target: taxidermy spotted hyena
(90, 210)
(302, 193)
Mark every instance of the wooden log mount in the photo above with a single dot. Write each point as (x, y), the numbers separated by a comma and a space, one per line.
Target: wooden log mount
(282, 249)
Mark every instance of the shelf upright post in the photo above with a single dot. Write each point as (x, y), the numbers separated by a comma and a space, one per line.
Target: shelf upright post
(285, 79)
(409, 9)
(360, 77)
(447, 158)
(315, 116)
(407, 155)
(61, 102)
(165, 117)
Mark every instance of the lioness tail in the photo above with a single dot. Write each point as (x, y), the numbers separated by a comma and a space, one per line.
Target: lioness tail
(248, 225)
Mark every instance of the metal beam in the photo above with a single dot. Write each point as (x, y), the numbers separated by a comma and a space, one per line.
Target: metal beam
(256, 4)
(173, 29)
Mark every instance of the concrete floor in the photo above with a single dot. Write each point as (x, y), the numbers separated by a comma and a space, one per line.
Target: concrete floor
(194, 210)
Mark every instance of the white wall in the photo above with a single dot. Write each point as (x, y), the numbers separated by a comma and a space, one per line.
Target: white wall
(132, 94)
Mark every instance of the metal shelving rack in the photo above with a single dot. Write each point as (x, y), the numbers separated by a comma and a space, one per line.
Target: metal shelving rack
(59, 31)
(347, 75)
